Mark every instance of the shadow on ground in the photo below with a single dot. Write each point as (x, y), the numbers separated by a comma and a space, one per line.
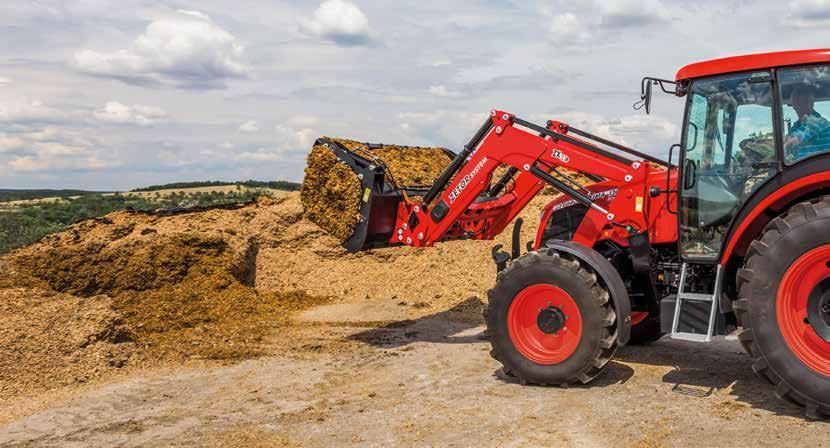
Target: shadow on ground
(703, 369)
(698, 370)
(439, 328)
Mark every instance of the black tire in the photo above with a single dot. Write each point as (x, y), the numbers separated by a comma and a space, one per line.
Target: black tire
(599, 339)
(804, 227)
(646, 332)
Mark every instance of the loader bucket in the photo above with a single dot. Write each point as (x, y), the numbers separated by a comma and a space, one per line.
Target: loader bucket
(379, 200)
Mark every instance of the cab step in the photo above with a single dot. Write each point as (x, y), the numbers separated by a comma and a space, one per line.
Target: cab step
(696, 314)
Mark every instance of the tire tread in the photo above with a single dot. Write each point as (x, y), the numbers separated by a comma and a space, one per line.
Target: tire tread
(748, 280)
(608, 340)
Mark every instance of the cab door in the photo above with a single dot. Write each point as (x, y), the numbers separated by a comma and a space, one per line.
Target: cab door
(730, 150)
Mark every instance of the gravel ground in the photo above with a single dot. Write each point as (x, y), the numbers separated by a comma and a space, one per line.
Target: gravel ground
(340, 377)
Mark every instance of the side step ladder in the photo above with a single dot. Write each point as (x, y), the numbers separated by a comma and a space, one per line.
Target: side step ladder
(687, 321)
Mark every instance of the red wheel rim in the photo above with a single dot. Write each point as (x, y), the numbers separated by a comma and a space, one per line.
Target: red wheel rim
(523, 324)
(638, 317)
(798, 283)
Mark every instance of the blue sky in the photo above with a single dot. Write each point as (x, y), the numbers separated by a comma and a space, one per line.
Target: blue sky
(115, 95)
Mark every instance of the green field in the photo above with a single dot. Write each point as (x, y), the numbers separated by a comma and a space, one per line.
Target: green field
(30, 217)
(7, 195)
(277, 185)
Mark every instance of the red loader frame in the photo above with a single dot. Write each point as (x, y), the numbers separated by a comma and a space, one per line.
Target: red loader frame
(467, 209)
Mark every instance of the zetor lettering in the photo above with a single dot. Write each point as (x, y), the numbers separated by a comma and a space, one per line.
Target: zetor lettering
(466, 180)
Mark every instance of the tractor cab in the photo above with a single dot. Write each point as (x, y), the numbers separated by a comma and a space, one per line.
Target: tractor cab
(748, 119)
(755, 141)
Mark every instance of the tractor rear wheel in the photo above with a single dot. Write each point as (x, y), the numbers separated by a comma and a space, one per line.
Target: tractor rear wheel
(784, 305)
(550, 320)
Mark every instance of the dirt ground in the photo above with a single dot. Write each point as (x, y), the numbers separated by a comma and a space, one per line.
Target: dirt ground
(394, 355)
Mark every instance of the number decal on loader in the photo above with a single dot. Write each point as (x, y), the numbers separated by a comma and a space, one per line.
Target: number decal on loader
(557, 154)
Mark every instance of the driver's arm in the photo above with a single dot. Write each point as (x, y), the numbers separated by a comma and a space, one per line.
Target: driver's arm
(797, 137)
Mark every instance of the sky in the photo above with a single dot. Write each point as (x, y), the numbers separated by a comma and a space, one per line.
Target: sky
(117, 95)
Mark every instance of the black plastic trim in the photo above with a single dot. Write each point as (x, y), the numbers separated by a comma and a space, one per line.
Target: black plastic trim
(563, 187)
(440, 211)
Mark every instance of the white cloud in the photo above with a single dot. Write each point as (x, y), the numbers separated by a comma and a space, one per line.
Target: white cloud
(260, 155)
(631, 13)
(185, 49)
(591, 21)
(339, 21)
(22, 110)
(249, 126)
(52, 148)
(441, 91)
(170, 158)
(568, 27)
(288, 140)
(302, 121)
(115, 112)
(197, 14)
(807, 13)
(291, 139)
(439, 126)
(9, 143)
(29, 164)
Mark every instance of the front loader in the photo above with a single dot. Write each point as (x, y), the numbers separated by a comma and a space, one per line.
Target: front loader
(732, 232)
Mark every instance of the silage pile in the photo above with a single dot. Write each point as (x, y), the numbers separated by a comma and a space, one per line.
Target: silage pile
(332, 193)
(139, 289)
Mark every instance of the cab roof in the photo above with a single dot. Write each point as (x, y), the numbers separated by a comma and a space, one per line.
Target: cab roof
(752, 62)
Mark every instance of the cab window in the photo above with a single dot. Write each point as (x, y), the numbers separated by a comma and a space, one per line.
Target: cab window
(805, 99)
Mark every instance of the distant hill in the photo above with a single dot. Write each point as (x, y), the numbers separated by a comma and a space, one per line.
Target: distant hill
(277, 185)
(7, 195)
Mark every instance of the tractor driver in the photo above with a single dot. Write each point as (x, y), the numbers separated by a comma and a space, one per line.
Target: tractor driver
(811, 133)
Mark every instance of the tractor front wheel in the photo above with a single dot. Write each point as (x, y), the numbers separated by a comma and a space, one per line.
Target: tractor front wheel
(785, 305)
(550, 320)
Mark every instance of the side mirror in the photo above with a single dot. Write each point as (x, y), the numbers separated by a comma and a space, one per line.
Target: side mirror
(645, 96)
(645, 91)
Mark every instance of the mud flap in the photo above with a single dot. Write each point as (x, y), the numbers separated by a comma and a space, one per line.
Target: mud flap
(502, 258)
(611, 278)
(640, 249)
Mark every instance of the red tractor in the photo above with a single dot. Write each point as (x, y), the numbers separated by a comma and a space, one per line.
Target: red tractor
(731, 232)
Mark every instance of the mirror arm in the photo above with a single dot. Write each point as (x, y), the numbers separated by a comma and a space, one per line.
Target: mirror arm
(645, 91)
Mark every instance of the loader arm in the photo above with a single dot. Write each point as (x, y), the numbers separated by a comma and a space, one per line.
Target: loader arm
(458, 206)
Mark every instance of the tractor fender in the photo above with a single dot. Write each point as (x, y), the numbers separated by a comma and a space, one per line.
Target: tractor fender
(609, 276)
